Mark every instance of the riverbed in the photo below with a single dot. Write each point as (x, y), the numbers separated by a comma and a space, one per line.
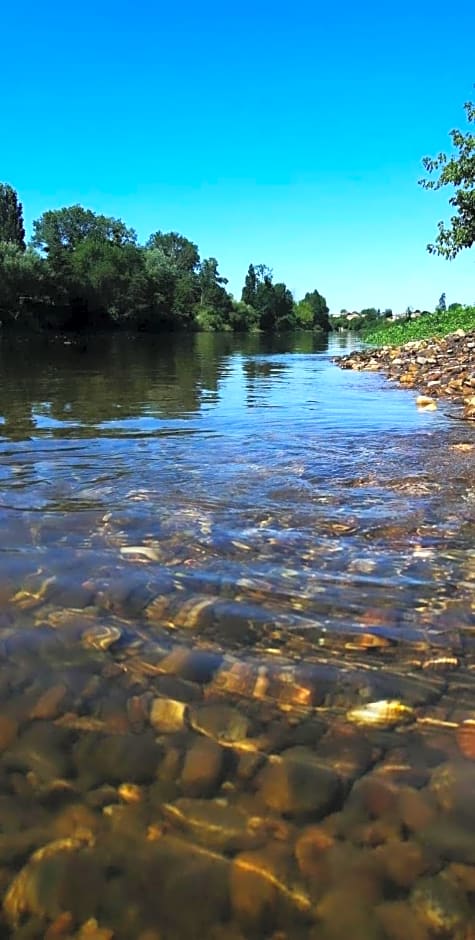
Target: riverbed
(236, 645)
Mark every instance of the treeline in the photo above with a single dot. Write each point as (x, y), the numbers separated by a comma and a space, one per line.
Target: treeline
(359, 320)
(85, 271)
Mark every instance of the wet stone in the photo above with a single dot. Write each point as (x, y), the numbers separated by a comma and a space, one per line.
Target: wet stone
(400, 922)
(440, 905)
(297, 784)
(203, 768)
(402, 862)
(347, 750)
(177, 689)
(42, 748)
(449, 839)
(180, 888)
(116, 758)
(416, 808)
(344, 912)
(167, 715)
(263, 891)
(8, 731)
(195, 665)
(453, 786)
(311, 848)
(215, 824)
(63, 881)
(50, 702)
(17, 846)
(222, 722)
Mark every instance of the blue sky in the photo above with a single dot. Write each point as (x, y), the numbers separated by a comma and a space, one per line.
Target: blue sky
(288, 134)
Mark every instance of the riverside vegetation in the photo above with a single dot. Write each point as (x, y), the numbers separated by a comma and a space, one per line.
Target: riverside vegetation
(84, 271)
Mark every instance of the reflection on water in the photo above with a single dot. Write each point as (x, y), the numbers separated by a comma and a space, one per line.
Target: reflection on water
(217, 554)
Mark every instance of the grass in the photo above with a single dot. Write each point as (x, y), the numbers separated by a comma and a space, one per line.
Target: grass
(424, 327)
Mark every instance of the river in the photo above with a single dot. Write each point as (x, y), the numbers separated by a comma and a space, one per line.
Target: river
(217, 554)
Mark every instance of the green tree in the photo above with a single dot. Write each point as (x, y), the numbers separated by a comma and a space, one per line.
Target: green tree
(177, 249)
(273, 302)
(11, 217)
(275, 306)
(313, 313)
(248, 294)
(215, 303)
(458, 171)
(109, 284)
(66, 228)
(23, 284)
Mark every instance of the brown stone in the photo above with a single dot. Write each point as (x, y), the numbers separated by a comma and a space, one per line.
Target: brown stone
(345, 913)
(377, 796)
(465, 875)
(75, 817)
(61, 927)
(402, 862)
(257, 884)
(297, 784)
(399, 921)
(416, 808)
(465, 736)
(167, 715)
(202, 768)
(8, 731)
(222, 722)
(310, 850)
(453, 785)
(48, 704)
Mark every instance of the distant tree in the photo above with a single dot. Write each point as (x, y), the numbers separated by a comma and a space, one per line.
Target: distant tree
(23, 286)
(256, 276)
(66, 228)
(215, 304)
(454, 306)
(248, 295)
(243, 317)
(109, 283)
(387, 313)
(370, 313)
(275, 306)
(442, 305)
(313, 310)
(458, 171)
(177, 249)
(11, 217)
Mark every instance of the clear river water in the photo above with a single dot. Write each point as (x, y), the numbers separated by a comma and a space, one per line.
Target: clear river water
(237, 651)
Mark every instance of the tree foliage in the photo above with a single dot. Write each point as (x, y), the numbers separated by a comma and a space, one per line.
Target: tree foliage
(458, 171)
(66, 228)
(313, 311)
(87, 271)
(11, 217)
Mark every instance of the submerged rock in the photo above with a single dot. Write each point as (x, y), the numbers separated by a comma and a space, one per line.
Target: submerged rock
(297, 783)
(216, 825)
(115, 758)
(222, 722)
(440, 905)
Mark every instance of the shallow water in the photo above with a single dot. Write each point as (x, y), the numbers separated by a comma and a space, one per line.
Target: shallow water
(215, 552)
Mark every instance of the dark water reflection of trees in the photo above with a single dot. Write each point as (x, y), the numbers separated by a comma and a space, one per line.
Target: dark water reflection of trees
(110, 378)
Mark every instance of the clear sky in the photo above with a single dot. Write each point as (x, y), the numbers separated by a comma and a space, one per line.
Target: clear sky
(287, 134)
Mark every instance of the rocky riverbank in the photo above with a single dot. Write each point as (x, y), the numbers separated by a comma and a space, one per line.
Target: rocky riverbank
(440, 367)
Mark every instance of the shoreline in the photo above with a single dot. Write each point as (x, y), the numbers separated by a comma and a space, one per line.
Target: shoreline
(442, 367)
